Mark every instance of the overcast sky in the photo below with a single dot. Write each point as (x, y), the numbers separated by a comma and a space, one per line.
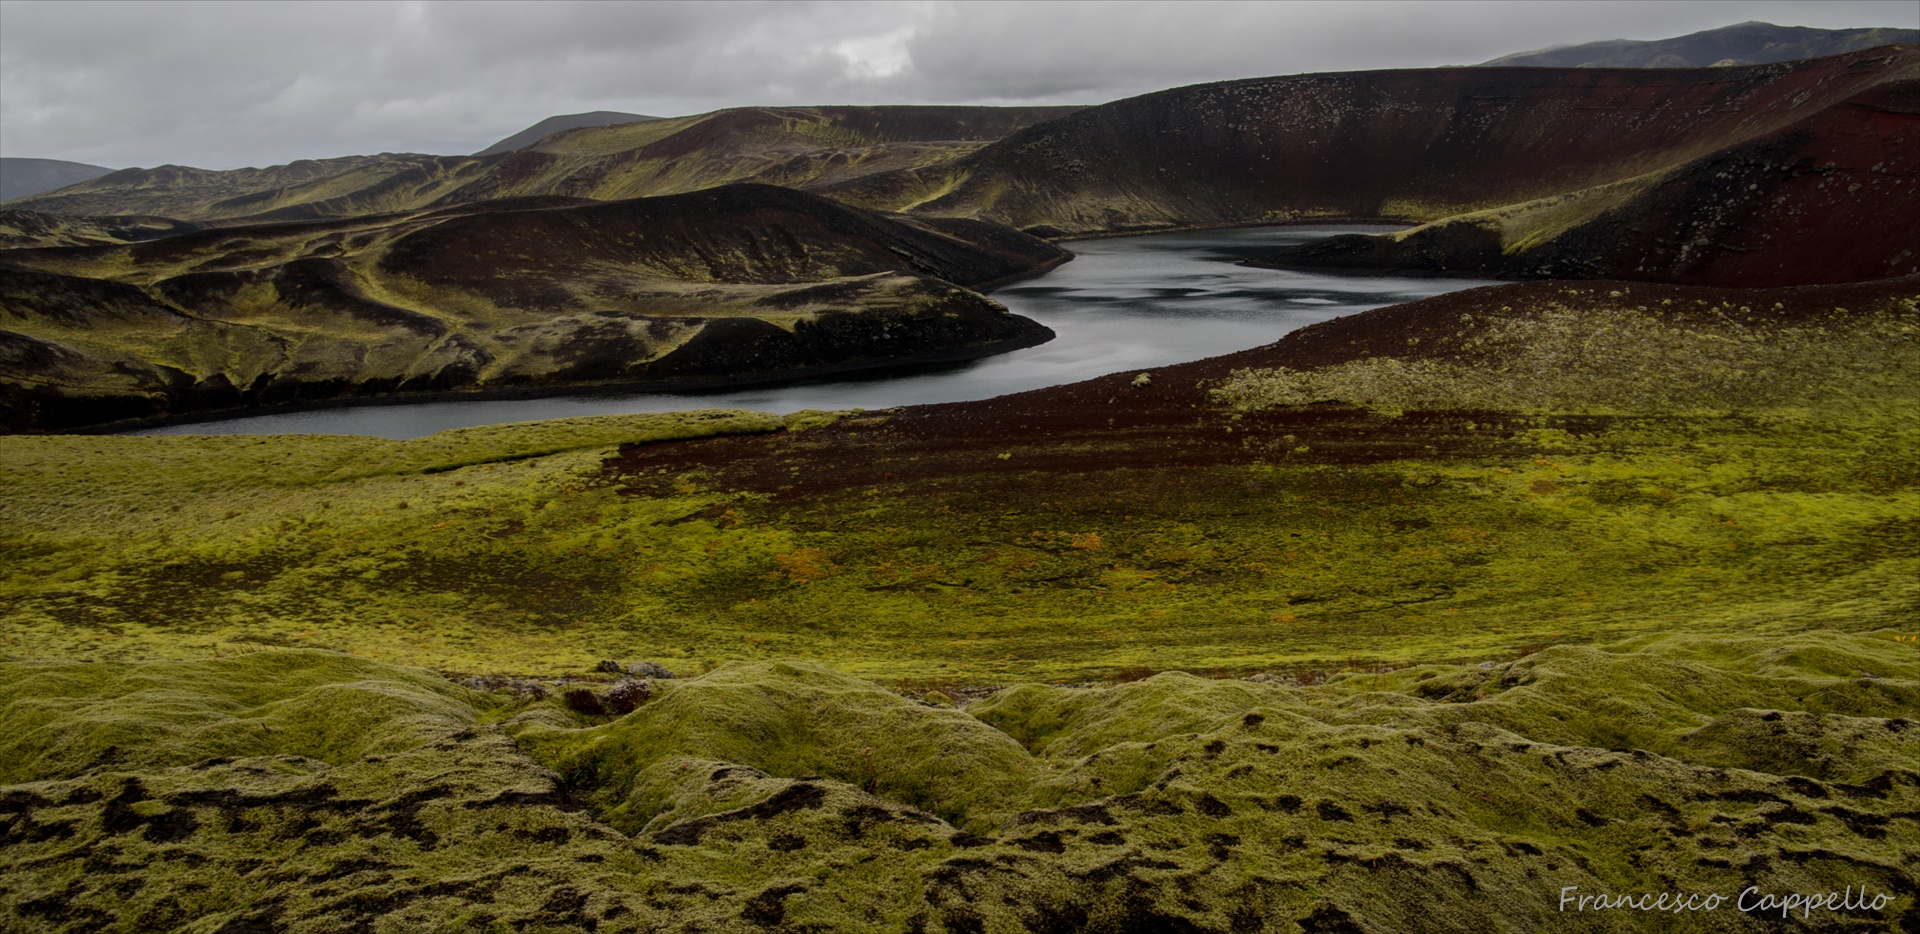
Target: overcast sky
(228, 84)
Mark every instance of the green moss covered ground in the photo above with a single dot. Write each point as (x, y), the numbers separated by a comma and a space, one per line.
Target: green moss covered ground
(515, 551)
(312, 791)
(1519, 626)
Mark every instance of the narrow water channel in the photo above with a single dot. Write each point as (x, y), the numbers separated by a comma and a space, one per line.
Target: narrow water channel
(1130, 303)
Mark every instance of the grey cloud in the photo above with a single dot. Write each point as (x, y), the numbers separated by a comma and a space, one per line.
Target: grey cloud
(1103, 51)
(226, 84)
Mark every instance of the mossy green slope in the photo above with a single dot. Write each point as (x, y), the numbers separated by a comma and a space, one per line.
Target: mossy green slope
(270, 793)
(65, 718)
(721, 286)
(1688, 621)
(132, 547)
(1245, 530)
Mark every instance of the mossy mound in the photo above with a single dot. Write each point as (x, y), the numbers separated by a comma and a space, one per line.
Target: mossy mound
(791, 718)
(64, 718)
(1443, 798)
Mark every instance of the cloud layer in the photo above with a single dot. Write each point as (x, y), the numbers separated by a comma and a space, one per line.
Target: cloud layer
(222, 84)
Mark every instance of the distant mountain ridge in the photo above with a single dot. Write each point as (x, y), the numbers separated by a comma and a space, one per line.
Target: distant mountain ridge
(1752, 43)
(794, 147)
(24, 178)
(1536, 171)
(556, 124)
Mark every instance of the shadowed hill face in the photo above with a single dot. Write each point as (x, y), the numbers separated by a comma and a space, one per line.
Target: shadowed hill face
(28, 229)
(1415, 145)
(24, 178)
(728, 285)
(1832, 198)
(746, 234)
(796, 147)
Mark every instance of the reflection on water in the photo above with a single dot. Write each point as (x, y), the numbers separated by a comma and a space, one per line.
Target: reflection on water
(1129, 303)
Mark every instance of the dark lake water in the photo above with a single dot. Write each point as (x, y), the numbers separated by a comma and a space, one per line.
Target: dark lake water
(1123, 304)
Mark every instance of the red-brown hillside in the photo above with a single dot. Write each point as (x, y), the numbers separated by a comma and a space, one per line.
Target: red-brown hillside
(1415, 144)
(1834, 197)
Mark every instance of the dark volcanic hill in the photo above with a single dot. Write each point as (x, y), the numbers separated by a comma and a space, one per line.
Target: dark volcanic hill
(24, 178)
(734, 284)
(556, 124)
(799, 147)
(1415, 145)
(1832, 198)
(1700, 175)
(1752, 43)
(1650, 156)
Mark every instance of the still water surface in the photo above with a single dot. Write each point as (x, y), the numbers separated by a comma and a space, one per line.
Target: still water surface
(1124, 304)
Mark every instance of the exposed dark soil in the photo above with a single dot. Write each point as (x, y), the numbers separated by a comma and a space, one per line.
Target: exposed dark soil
(1110, 424)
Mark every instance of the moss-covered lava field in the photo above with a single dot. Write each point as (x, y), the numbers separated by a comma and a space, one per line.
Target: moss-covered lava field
(1410, 621)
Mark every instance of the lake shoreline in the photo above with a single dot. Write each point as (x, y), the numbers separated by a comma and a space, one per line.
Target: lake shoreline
(1119, 303)
(599, 389)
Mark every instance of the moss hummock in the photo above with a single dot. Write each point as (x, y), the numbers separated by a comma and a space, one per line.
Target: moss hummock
(786, 794)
